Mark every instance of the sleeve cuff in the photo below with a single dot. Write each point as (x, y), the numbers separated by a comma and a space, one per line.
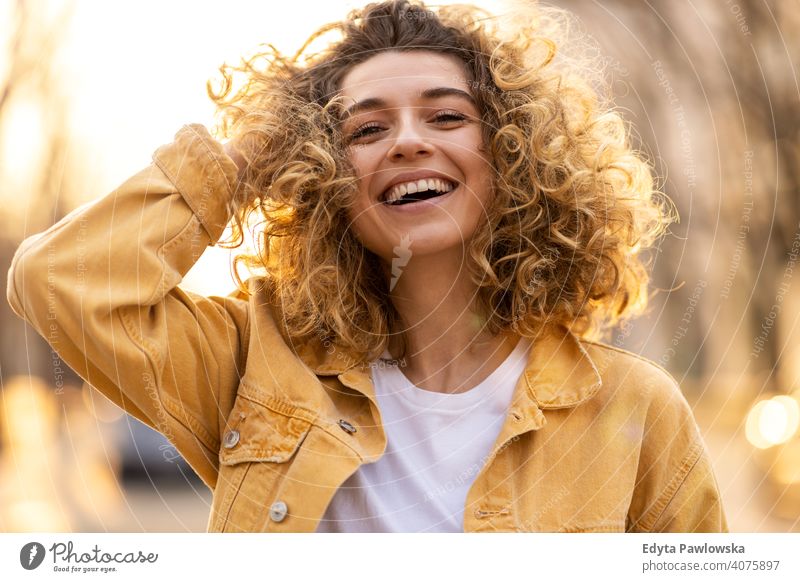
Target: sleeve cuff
(202, 173)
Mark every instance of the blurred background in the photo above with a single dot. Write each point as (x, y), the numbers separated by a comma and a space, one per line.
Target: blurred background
(89, 89)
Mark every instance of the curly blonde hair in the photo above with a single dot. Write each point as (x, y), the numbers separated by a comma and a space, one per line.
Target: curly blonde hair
(574, 204)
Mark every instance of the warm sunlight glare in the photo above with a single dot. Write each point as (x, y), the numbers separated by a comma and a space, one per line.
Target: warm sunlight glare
(772, 422)
(132, 73)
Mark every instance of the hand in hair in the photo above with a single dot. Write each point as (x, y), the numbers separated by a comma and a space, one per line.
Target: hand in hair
(234, 154)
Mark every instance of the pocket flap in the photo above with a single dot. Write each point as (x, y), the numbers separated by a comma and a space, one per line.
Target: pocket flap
(256, 433)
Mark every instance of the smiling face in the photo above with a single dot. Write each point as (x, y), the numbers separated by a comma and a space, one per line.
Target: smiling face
(414, 132)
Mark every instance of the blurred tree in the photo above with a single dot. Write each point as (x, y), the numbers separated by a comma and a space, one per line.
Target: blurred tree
(711, 90)
(767, 86)
(32, 82)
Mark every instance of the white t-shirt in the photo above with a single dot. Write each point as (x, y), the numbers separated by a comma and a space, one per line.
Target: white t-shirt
(436, 446)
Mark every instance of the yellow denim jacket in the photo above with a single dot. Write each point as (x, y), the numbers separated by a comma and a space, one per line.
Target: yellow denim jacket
(596, 439)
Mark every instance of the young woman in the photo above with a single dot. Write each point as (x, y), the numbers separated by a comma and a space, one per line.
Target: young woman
(449, 213)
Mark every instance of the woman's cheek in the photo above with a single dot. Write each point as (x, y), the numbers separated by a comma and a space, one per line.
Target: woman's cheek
(359, 157)
(372, 234)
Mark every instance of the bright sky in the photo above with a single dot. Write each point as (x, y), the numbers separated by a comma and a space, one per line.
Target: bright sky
(135, 72)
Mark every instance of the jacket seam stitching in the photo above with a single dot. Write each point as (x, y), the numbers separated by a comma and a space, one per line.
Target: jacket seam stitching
(261, 455)
(288, 409)
(591, 390)
(276, 405)
(143, 345)
(244, 340)
(175, 182)
(648, 521)
(605, 526)
(177, 410)
(311, 421)
(628, 353)
(170, 405)
(189, 128)
(161, 253)
(210, 157)
(338, 438)
(233, 492)
(683, 482)
(27, 247)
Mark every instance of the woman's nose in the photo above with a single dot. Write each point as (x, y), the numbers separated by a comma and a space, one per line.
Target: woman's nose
(410, 142)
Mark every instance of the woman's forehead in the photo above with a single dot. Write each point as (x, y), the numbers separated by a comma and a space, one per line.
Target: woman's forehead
(394, 71)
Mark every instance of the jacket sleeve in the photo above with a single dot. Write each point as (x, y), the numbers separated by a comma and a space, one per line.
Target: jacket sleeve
(676, 490)
(101, 287)
(695, 506)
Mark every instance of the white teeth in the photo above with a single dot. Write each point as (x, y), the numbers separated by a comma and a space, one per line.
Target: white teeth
(400, 190)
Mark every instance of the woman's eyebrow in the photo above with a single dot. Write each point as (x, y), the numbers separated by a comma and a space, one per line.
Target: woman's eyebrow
(373, 103)
(448, 92)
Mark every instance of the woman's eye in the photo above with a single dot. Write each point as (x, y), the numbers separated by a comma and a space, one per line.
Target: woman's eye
(441, 118)
(365, 130)
(449, 117)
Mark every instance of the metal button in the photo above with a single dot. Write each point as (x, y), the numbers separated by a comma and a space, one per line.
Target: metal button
(277, 511)
(231, 439)
(347, 427)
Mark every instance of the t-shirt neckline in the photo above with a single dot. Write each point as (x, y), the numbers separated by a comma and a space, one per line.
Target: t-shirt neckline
(459, 400)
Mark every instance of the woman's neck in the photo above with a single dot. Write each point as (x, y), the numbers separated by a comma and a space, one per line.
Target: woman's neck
(449, 347)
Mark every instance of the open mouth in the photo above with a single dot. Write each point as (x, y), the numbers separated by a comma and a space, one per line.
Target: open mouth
(417, 191)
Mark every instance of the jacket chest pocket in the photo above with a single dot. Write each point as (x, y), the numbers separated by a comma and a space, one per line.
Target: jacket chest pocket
(256, 453)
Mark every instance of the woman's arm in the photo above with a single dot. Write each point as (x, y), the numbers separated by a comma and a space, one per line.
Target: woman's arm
(695, 505)
(100, 287)
(676, 490)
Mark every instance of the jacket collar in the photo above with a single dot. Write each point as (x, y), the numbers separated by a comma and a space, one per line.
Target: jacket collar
(559, 373)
